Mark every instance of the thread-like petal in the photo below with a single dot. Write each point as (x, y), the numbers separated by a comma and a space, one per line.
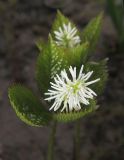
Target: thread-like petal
(69, 93)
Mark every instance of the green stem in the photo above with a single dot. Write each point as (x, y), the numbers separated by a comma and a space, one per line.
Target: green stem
(77, 141)
(50, 153)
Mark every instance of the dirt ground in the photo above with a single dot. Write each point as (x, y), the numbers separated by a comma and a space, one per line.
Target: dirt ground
(22, 22)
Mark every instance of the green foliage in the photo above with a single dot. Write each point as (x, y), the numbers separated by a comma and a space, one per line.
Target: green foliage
(59, 21)
(117, 15)
(92, 32)
(40, 44)
(77, 56)
(28, 107)
(71, 116)
(99, 71)
(50, 61)
(43, 68)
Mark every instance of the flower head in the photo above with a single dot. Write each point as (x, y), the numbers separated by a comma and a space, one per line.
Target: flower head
(69, 93)
(67, 36)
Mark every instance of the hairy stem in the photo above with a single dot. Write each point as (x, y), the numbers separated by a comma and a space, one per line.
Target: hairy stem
(50, 153)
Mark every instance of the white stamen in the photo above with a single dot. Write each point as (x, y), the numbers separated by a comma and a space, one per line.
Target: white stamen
(67, 36)
(68, 94)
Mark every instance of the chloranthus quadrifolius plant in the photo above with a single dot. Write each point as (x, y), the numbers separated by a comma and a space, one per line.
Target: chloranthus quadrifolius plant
(68, 80)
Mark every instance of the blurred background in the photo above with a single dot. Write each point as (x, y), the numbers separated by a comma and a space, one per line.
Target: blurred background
(22, 23)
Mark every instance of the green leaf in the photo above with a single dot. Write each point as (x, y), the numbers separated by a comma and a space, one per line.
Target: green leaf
(72, 116)
(28, 107)
(117, 14)
(43, 70)
(40, 44)
(78, 55)
(99, 71)
(92, 32)
(59, 21)
(50, 62)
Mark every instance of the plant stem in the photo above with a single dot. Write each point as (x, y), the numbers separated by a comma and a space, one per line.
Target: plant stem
(50, 153)
(77, 141)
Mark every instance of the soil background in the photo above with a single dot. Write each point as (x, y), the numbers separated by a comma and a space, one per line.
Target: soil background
(22, 23)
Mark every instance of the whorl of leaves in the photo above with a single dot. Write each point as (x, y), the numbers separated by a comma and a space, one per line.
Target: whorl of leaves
(28, 107)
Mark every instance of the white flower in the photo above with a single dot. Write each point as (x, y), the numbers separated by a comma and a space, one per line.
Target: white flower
(67, 36)
(69, 94)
